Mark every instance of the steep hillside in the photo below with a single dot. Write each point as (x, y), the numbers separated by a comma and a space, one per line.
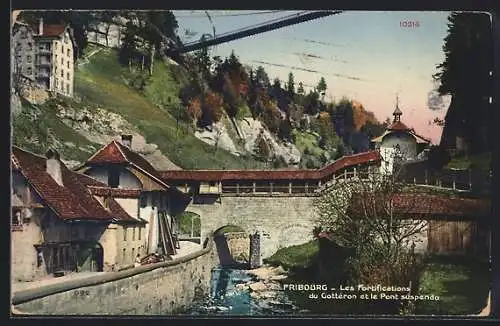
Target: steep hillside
(105, 105)
(102, 81)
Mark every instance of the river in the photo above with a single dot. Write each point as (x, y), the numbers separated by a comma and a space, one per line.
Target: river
(229, 296)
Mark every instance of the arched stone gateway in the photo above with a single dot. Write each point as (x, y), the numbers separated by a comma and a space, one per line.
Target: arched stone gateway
(271, 216)
(233, 246)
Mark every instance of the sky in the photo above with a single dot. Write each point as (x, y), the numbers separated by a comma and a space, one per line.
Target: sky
(366, 56)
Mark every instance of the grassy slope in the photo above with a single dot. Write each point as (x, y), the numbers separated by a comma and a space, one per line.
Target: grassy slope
(462, 285)
(37, 136)
(104, 82)
(300, 256)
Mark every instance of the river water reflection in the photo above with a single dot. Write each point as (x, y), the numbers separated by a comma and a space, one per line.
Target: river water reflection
(228, 299)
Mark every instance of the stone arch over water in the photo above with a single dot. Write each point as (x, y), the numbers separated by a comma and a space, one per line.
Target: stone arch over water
(232, 242)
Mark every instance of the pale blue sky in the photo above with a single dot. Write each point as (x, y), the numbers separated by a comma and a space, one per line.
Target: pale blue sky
(372, 46)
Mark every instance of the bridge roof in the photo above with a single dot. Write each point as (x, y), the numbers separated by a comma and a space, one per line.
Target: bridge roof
(219, 175)
(425, 204)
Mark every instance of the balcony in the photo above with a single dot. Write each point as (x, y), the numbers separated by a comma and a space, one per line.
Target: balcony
(45, 63)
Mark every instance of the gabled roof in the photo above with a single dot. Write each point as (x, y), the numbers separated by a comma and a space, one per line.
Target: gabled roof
(419, 139)
(219, 175)
(117, 153)
(50, 30)
(73, 200)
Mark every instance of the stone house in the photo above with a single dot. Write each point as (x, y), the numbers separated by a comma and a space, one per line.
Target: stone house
(43, 54)
(64, 221)
(149, 197)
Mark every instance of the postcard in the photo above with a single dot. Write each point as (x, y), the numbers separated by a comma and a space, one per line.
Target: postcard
(251, 163)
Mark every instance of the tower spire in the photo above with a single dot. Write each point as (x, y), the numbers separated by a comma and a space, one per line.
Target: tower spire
(397, 112)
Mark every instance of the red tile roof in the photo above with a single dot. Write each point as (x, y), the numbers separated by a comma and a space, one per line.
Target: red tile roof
(51, 30)
(116, 153)
(398, 126)
(419, 204)
(115, 192)
(219, 175)
(73, 200)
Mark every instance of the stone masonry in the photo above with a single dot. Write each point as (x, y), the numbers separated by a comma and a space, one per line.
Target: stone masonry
(157, 289)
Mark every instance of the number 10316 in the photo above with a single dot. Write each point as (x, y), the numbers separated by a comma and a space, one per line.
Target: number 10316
(409, 23)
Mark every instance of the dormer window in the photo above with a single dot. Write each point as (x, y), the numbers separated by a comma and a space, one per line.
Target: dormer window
(113, 177)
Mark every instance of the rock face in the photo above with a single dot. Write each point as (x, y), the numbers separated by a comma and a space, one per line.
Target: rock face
(242, 140)
(101, 126)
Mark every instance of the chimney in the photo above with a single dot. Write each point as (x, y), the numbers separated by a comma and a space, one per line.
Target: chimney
(40, 26)
(53, 164)
(127, 140)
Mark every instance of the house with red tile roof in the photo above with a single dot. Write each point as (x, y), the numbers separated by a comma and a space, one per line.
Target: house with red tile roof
(44, 54)
(141, 190)
(398, 143)
(66, 221)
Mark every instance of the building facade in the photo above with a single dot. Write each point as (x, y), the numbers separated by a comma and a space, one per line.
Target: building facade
(399, 144)
(63, 221)
(154, 201)
(44, 55)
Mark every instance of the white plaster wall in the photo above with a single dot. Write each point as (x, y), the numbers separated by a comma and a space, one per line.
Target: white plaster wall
(23, 253)
(407, 145)
(130, 205)
(127, 179)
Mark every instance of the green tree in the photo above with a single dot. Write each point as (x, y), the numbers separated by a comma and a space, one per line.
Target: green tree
(466, 75)
(300, 89)
(261, 78)
(321, 88)
(290, 85)
(262, 149)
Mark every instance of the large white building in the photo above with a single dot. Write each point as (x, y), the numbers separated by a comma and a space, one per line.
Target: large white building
(398, 144)
(43, 55)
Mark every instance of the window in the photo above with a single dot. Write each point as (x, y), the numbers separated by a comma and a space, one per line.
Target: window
(62, 49)
(56, 59)
(55, 70)
(62, 73)
(67, 88)
(55, 47)
(68, 53)
(133, 254)
(133, 234)
(28, 58)
(30, 46)
(67, 75)
(113, 177)
(18, 45)
(124, 234)
(29, 71)
(139, 235)
(123, 254)
(144, 200)
(67, 63)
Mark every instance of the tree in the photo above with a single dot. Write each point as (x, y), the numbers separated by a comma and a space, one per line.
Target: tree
(466, 75)
(290, 85)
(261, 78)
(300, 89)
(262, 149)
(382, 221)
(128, 49)
(272, 118)
(321, 88)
